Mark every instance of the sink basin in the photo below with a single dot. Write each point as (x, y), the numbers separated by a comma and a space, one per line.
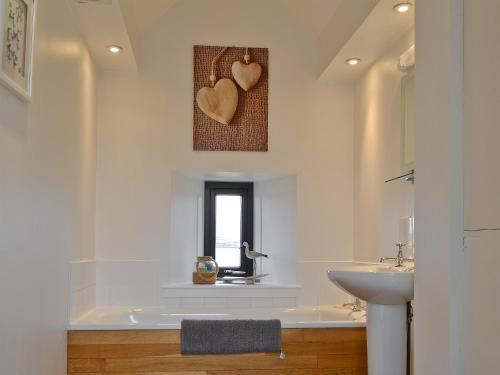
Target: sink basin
(375, 283)
(386, 289)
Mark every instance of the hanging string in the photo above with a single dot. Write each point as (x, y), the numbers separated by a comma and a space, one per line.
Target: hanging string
(213, 78)
(247, 56)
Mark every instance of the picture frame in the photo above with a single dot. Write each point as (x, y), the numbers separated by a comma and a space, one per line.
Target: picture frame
(17, 31)
(248, 128)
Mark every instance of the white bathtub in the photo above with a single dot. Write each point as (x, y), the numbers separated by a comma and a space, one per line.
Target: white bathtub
(118, 318)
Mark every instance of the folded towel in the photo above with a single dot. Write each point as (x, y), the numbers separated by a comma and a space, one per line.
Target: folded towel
(230, 336)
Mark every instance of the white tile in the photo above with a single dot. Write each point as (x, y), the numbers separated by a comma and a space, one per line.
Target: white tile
(82, 287)
(89, 297)
(262, 302)
(75, 304)
(317, 289)
(102, 294)
(239, 302)
(81, 301)
(90, 273)
(129, 283)
(195, 302)
(215, 302)
(75, 277)
(230, 291)
(284, 302)
(132, 295)
(82, 274)
(171, 302)
(140, 283)
(307, 277)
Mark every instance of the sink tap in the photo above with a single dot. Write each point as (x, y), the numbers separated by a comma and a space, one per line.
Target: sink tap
(355, 306)
(399, 259)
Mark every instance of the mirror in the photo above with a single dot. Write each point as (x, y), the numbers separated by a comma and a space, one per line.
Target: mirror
(408, 122)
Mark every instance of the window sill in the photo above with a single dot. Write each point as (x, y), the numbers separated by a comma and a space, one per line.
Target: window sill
(222, 285)
(230, 290)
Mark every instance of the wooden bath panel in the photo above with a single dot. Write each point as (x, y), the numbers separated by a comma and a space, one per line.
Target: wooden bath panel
(325, 351)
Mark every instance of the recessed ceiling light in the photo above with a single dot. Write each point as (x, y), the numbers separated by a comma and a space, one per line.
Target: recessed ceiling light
(402, 7)
(353, 61)
(114, 48)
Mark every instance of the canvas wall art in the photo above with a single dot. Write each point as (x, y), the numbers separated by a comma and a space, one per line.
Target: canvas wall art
(16, 45)
(230, 104)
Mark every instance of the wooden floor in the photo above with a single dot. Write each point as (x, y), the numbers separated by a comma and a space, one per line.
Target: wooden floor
(335, 351)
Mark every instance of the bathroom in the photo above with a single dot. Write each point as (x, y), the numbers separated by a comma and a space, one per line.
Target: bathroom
(102, 187)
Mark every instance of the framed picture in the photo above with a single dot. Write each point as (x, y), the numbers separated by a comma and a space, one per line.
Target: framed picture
(17, 25)
(247, 130)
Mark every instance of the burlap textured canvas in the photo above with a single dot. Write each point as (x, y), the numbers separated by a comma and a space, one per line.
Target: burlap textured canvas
(248, 128)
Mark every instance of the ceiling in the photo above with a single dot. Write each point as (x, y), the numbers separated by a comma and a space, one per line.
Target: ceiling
(122, 22)
(101, 23)
(343, 27)
(139, 14)
(313, 15)
(380, 30)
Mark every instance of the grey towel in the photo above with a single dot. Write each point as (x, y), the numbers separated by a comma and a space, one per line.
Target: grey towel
(230, 336)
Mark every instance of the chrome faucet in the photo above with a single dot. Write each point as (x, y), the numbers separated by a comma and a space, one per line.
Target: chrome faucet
(399, 259)
(355, 306)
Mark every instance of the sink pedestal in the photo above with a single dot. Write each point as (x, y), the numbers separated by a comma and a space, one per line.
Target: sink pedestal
(386, 336)
(386, 289)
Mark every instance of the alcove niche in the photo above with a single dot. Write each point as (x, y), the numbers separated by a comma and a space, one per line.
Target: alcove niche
(275, 209)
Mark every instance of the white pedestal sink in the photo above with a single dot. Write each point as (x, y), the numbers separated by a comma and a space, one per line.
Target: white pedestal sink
(386, 289)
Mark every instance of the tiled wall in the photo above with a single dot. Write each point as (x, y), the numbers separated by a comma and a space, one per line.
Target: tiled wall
(317, 289)
(229, 302)
(130, 282)
(142, 283)
(83, 287)
(231, 296)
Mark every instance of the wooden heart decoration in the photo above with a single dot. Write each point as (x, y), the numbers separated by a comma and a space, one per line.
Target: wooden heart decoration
(246, 75)
(220, 102)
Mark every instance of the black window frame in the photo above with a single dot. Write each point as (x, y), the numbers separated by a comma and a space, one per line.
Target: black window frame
(245, 190)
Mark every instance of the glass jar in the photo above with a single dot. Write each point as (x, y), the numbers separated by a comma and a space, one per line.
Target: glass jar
(205, 270)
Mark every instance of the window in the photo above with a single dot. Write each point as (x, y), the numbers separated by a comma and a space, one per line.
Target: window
(229, 223)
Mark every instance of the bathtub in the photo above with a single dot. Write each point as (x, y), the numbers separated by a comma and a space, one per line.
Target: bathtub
(122, 318)
(320, 339)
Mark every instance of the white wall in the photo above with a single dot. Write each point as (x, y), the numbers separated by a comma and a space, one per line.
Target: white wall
(439, 282)
(145, 133)
(456, 309)
(47, 187)
(379, 206)
(276, 228)
(481, 185)
(186, 226)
